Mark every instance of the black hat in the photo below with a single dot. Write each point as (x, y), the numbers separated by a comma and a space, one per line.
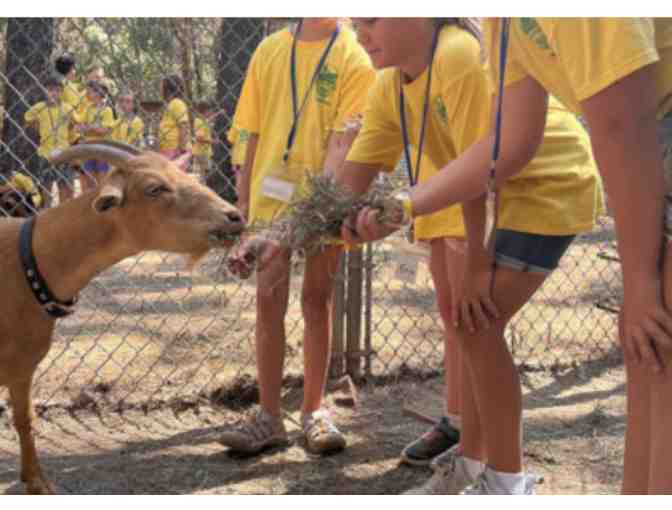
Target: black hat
(64, 63)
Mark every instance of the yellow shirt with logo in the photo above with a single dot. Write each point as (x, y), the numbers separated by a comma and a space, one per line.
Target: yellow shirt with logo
(175, 115)
(202, 129)
(53, 125)
(98, 116)
(130, 131)
(558, 193)
(265, 108)
(575, 58)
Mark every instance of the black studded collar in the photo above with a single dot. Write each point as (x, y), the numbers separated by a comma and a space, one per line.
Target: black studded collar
(37, 285)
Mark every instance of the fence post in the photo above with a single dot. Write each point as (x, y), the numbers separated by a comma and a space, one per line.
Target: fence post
(336, 367)
(368, 303)
(354, 314)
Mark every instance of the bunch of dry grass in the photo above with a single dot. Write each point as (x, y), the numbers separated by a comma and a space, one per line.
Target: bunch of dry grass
(316, 216)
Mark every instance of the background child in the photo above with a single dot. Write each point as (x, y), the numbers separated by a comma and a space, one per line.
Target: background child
(129, 127)
(203, 139)
(95, 123)
(53, 120)
(174, 127)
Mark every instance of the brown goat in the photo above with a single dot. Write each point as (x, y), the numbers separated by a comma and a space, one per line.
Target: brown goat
(144, 203)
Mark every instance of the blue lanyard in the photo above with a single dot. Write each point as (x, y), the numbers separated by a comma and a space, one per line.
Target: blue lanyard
(413, 176)
(292, 62)
(498, 122)
(492, 202)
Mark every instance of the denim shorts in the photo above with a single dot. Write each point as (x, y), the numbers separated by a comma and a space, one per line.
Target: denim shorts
(94, 165)
(530, 253)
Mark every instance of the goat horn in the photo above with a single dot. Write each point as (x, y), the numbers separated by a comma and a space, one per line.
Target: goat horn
(121, 145)
(111, 155)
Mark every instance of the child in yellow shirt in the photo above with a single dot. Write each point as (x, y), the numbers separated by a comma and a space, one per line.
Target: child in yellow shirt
(174, 127)
(434, 95)
(301, 85)
(54, 121)
(95, 123)
(129, 128)
(617, 73)
(203, 139)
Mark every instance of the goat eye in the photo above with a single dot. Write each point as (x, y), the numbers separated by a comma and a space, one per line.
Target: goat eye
(156, 190)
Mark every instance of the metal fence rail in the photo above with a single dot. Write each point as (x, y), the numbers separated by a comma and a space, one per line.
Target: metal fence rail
(145, 329)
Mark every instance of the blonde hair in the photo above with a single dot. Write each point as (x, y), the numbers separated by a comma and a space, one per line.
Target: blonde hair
(471, 25)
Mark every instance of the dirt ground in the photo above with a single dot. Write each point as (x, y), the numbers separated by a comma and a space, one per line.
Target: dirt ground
(574, 426)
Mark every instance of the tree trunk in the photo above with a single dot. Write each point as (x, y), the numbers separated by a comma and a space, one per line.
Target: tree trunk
(236, 41)
(29, 44)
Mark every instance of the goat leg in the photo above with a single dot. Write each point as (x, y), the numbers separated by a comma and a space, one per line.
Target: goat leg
(31, 473)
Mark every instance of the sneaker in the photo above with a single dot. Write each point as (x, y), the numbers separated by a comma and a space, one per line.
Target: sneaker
(450, 475)
(486, 484)
(321, 434)
(260, 431)
(437, 440)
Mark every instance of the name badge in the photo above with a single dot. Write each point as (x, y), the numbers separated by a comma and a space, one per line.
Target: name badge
(277, 189)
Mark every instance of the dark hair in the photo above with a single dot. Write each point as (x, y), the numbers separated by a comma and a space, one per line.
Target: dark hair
(53, 80)
(172, 87)
(64, 64)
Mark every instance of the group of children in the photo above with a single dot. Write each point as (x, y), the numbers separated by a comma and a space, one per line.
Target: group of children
(72, 113)
(428, 90)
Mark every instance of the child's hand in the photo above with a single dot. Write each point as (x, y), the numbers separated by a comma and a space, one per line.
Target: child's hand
(366, 226)
(473, 307)
(253, 253)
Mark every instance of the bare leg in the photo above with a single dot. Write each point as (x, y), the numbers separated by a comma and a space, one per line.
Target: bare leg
(316, 303)
(272, 301)
(493, 375)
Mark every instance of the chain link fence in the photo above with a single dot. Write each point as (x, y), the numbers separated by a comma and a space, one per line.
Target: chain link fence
(146, 330)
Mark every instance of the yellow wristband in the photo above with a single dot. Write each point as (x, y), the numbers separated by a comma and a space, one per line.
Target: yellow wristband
(407, 206)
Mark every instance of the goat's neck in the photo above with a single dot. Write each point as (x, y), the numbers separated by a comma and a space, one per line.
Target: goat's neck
(72, 243)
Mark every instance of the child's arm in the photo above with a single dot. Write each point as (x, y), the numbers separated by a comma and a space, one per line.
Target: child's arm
(466, 178)
(623, 129)
(244, 176)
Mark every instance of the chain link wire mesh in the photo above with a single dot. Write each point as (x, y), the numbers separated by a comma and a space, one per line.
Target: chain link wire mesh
(147, 330)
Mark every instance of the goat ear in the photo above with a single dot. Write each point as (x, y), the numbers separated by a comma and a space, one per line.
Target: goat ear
(110, 195)
(183, 161)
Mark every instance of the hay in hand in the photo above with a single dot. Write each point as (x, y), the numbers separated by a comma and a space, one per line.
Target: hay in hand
(317, 215)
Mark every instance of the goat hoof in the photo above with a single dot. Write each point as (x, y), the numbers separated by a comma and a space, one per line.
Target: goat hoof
(40, 486)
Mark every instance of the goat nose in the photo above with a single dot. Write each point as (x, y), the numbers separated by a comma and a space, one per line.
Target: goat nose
(235, 217)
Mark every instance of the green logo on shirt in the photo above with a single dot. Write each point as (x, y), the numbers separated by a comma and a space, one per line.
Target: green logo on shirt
(325, 84)
(532, 29)
(441, 110)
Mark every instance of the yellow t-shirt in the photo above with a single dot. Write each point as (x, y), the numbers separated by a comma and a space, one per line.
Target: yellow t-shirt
(54, 126)
(72, 94)
(265, 107)
(202, 129)
(99, 116)
(575, 58)
(175, 115)
(129, 130)
(238, 139)
(558, 193)
(25, 184)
